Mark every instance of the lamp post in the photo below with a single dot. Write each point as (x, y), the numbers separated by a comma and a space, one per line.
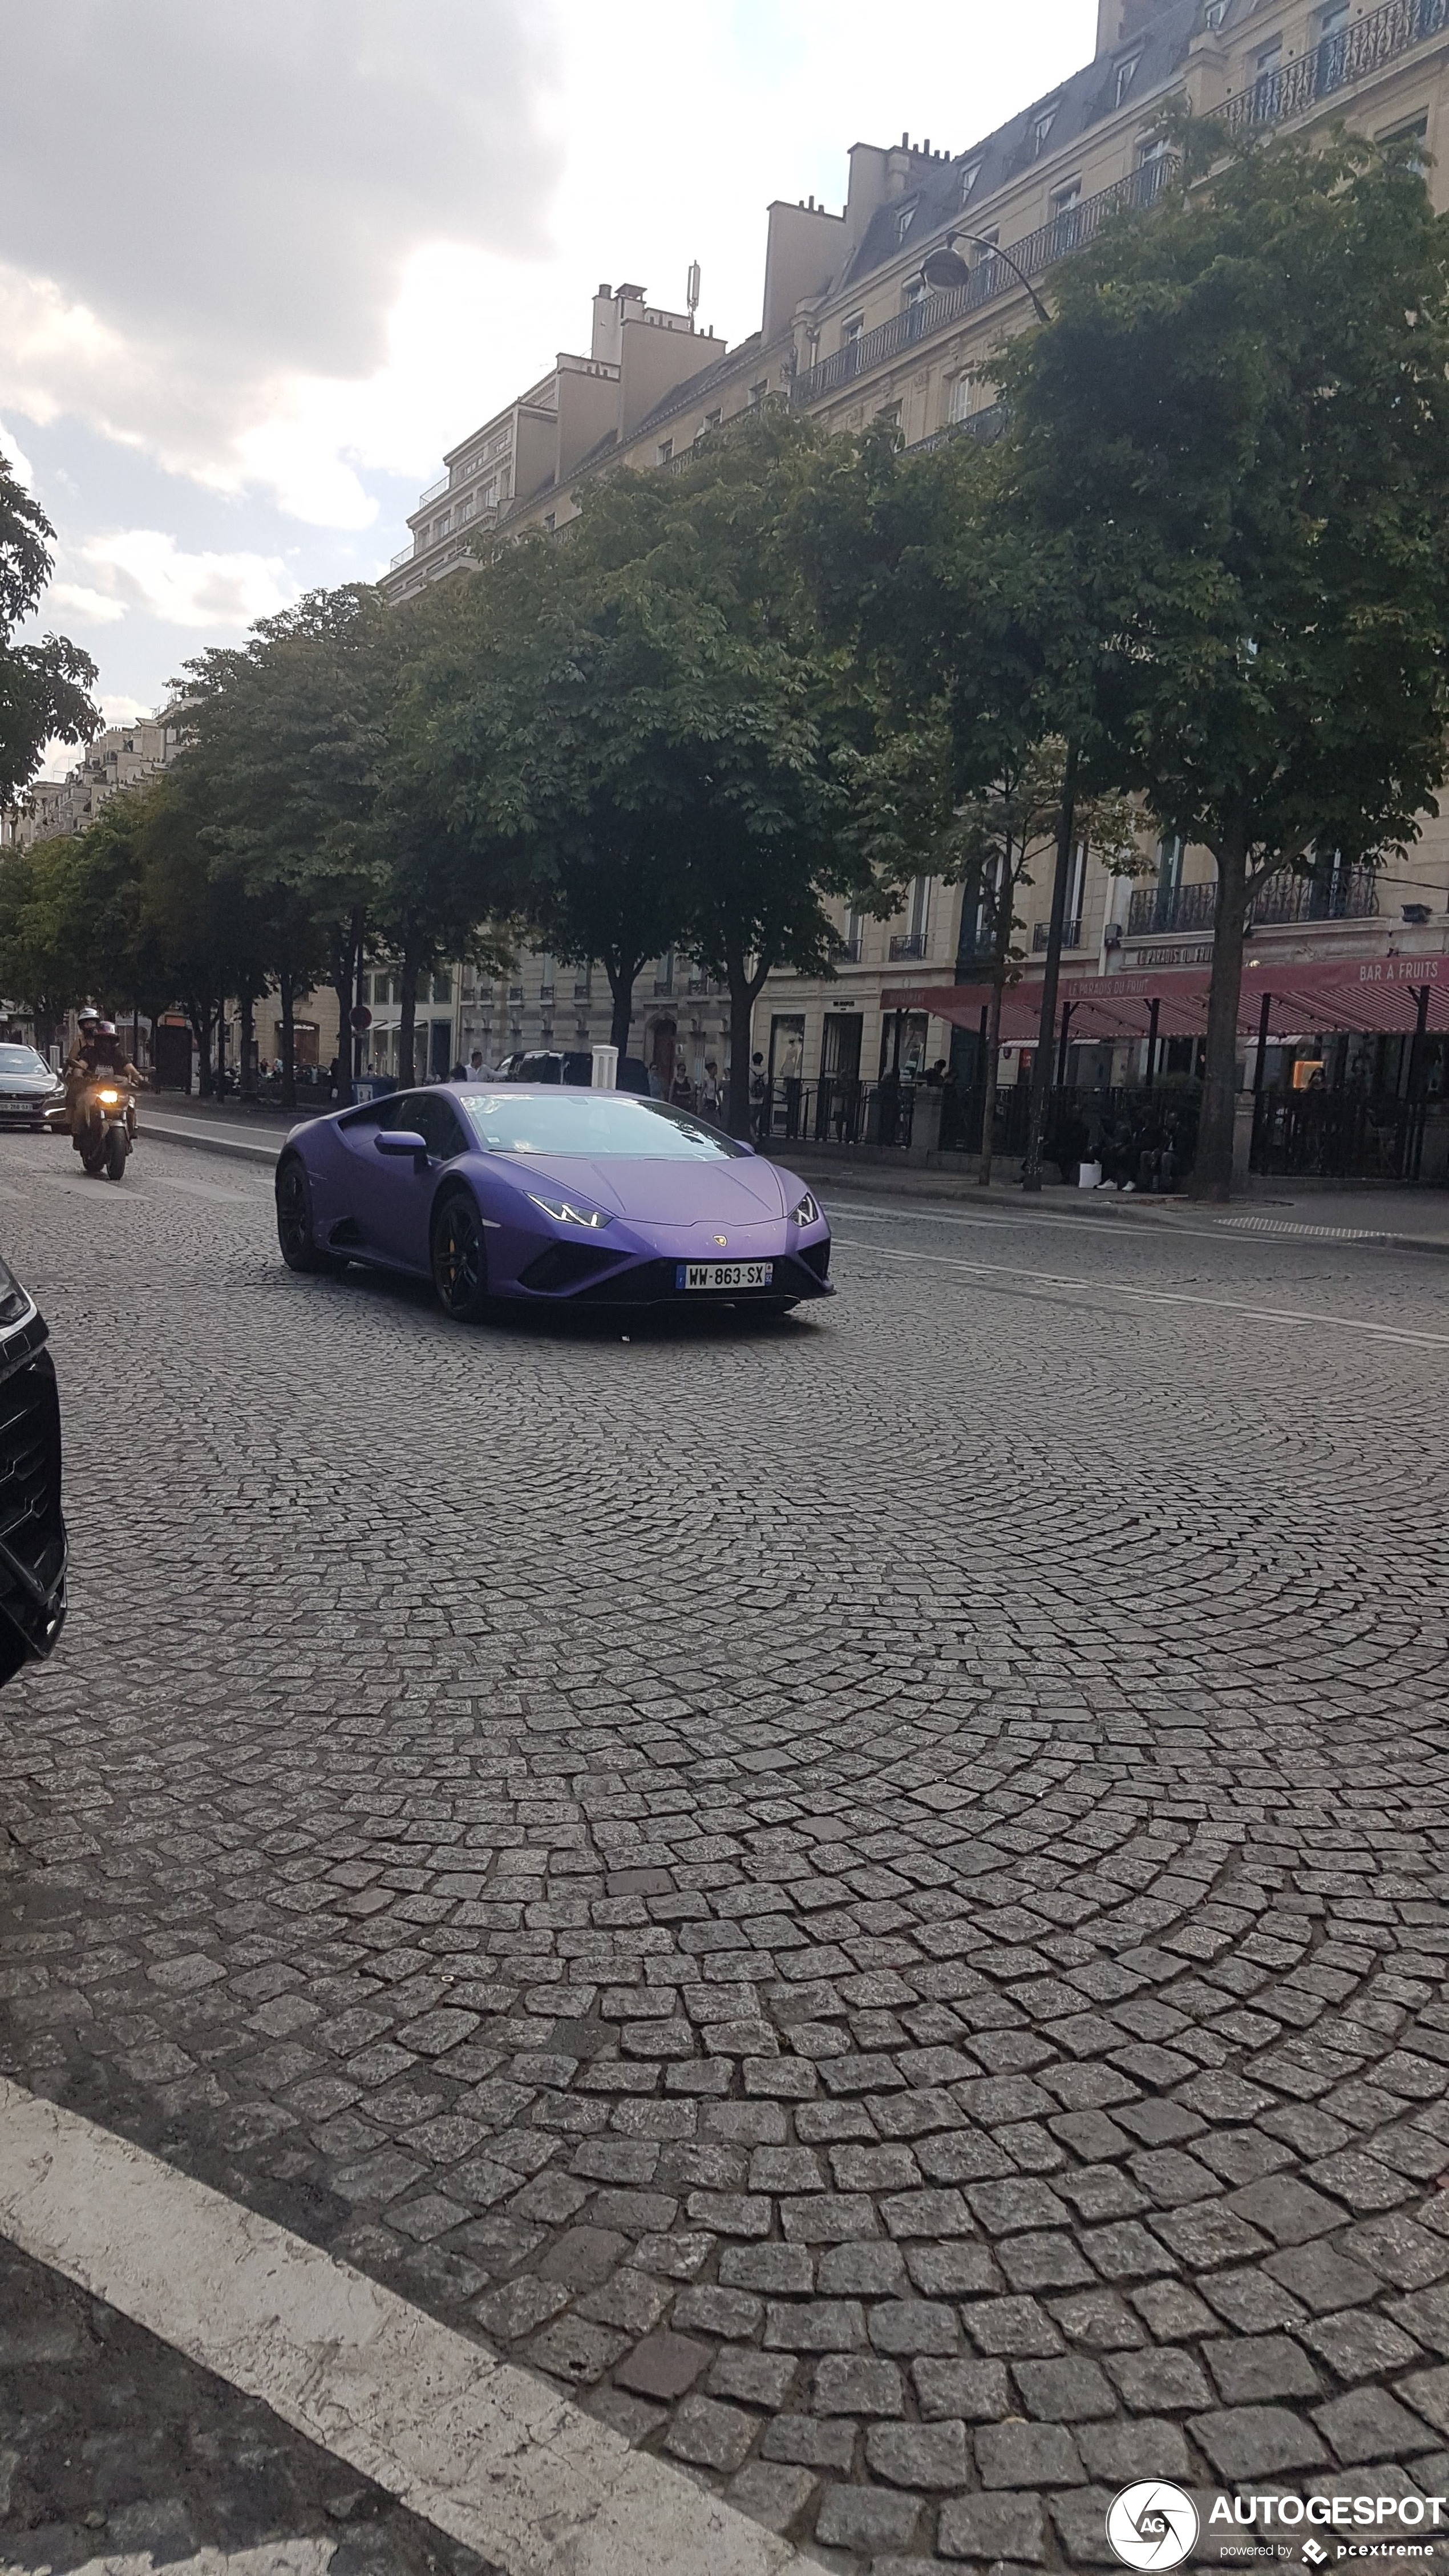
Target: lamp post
(944, 267)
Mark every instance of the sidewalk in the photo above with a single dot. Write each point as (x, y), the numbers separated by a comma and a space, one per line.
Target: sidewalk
(1407, 1219)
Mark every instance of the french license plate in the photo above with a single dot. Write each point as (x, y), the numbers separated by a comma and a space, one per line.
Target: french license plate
(724, 1274)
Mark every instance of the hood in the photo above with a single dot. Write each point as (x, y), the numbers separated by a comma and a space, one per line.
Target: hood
(656, 1192)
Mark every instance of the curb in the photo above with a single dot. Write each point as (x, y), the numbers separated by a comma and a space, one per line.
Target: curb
(239, 1148)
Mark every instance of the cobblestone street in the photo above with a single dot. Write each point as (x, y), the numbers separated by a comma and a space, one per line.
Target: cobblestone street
(866, 1895)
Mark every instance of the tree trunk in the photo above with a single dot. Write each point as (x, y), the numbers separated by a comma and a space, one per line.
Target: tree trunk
(744, 993)
(1042, 1067)
(621, 987)
(1005, 906)
(407, 1027)
(289, 1040)
(247, 1002)
(201, 1032)
(1213, 1170)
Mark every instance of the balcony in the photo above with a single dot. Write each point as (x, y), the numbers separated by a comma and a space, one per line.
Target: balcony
(908, 943)
(1344, 894)
(1071, 934)
(1352, 53)
(1035, 253)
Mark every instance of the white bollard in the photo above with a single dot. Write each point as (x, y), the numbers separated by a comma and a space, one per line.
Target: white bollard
(606, 1068)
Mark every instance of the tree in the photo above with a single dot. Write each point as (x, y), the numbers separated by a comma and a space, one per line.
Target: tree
(45, 687)
(648, 740)
(1235, 430)
(281, 771)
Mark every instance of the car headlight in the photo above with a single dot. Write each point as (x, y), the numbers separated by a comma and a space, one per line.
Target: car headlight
(807, 1213)
(566, 1213)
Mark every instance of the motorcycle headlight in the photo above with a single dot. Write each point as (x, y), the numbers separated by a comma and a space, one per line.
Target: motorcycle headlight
(109, 1099)
(565, 1212)
(807, 1213)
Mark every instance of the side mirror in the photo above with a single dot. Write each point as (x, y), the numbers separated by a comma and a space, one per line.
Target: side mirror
(403, 1142)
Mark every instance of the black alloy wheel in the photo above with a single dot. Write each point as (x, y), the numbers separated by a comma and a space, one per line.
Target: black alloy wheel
(460, 1260)
(294, 1221)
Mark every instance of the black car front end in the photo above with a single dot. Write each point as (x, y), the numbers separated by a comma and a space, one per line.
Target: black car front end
(32, 1530)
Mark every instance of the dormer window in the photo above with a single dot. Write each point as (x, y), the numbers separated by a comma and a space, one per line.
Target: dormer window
(1126, 74)
(969, 177)
(904, 221)
(1214, 14)
(1041, 128)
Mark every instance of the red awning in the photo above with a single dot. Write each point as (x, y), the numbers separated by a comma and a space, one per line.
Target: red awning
(1363, 994)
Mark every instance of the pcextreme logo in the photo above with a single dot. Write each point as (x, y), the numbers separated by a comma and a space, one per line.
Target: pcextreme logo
(1152, 2524)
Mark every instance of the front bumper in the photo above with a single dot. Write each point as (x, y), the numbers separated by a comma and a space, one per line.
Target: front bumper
(32, 1529)
(45, 1110)
(637, 1279)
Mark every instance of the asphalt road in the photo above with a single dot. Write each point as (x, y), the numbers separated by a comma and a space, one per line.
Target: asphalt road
(866, 1895)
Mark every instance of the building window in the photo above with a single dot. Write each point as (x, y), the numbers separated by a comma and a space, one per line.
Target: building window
(712, 419)
(664, 973)
(912, 292)
(1214, 14)
(969, 177)
(1041, 128)
(958, 397)
(545, 979)
(850, 331)
(442, 988)
(1153, 147)
(1416, 131)
(1063, 199)
(666, 450)
(1268, 60)
(904, 221)
(1125, 75)
(550, 520)
(759, 391)
(854, 927)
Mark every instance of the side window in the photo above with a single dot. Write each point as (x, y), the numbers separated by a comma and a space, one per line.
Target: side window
(400, 1110)
(437, 1121)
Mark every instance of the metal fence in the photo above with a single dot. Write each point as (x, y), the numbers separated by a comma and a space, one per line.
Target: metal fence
(1342, 894)
(1339, 1135)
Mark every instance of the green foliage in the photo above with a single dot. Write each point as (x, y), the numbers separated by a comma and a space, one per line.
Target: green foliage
(44, 688)
(1236, 432)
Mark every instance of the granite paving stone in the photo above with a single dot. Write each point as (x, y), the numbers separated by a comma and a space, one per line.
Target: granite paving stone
(859, 2017)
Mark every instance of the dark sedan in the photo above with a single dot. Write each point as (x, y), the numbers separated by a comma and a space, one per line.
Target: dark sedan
(32, 1531)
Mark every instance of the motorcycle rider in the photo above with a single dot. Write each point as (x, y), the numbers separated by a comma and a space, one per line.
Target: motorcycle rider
(96, 1056)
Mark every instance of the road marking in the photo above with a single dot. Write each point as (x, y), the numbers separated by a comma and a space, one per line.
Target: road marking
(270, 2558)
(492, 2456)
(1209, 1233)
(1154, 1296)
(1325, 1233)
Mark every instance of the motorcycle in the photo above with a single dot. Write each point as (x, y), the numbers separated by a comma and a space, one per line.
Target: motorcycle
(106, 1128)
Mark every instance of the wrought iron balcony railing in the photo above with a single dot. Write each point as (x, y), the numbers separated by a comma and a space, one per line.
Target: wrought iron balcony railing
(908, 943)
(1350, 54)
(991, 277)
(1341, 894)
(1071, 933)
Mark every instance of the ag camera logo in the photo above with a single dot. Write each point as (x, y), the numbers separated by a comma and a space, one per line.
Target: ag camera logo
(1152, 2524)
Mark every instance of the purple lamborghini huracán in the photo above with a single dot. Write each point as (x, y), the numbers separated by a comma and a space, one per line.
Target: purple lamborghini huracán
(550, 1197)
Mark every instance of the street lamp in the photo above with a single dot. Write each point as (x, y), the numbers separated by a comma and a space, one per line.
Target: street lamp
(944, 267)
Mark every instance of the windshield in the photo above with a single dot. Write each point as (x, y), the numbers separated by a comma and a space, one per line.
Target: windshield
(595, 1123)
(21, 1059)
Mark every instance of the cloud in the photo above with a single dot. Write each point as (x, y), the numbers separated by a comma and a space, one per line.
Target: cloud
(243, 190)
(149, 570)
(16, 459)
(98, 605)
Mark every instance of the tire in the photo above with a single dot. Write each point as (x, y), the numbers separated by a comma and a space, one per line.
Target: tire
(298, 1248)
(94, 1162)
(460, 1259)
(117, 1151)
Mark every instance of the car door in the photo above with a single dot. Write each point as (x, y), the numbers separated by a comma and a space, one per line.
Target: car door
(404, 1204)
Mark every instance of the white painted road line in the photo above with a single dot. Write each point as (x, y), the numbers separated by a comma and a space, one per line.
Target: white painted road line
(495, 2458)
(1048, 1279)
(270, 2558)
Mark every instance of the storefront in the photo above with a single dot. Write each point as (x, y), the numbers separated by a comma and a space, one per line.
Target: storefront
(1345, 1063)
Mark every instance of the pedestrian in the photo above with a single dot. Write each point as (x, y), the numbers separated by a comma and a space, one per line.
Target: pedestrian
(759, 1097)
(709, 1090)
(478, 1071)
(459, 1073)
(681, 1089)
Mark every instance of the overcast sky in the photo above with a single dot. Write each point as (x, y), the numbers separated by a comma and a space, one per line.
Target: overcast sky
(261, 264)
